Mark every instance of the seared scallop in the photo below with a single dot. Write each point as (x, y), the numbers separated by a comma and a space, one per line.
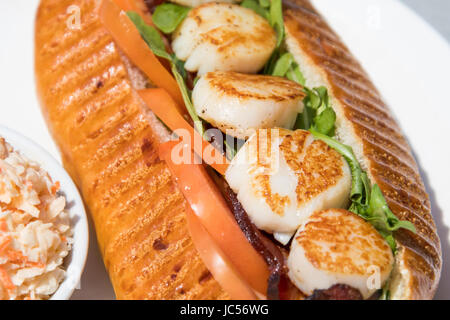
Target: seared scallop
(196, 3)
(226, 37)
(281, 177)
(336, 246)
(239, 103)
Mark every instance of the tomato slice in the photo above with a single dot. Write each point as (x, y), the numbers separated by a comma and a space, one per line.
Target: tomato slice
(209, 206)
(217, 262)
(137, 6)
(165, 108)
(129, 40)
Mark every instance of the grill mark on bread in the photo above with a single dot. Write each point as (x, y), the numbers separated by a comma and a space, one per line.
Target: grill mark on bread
(141, 243)
(146, 205)
(61, 38)
(129, 157)
(384, 142)
(370, 121)
(72, 79)
(345, 67)
(111, 122)
(91, 110)
(426, 229)
(96, 39)
(405, 199)
(357, 83)
(420, 247)
(347, 89)
(407, 172)
(126, 133)
(369, 108)
(318, 38)
(144, 231)
(119, 189)
(80, 97)
(400, 181)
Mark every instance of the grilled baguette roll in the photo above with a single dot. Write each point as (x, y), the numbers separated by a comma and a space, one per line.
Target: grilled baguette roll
(108, 140)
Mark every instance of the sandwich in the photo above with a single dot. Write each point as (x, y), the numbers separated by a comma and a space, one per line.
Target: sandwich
(233, 150)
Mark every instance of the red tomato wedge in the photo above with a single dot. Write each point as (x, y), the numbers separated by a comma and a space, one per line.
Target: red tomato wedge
(209, 206)
(133, 5)
(217, 262)
(129, 40)
(165, 108)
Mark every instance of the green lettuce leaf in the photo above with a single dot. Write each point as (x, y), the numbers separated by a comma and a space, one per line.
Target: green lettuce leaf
(324, 121)
(277, 22)
(264, 3)
(317, 112)
(150, 35)
(257, 7)
(286, 66)
(168, 16)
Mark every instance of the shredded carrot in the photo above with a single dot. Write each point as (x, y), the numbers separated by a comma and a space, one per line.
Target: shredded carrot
(55, 187)
(3, 225)
(17, 257)
(29, 185)
(4, 244)
(6, 280)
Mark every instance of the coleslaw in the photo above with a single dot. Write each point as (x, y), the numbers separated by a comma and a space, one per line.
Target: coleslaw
(35, 232)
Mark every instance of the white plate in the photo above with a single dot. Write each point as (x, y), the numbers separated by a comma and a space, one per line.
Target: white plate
(408, 61)
(76, 259)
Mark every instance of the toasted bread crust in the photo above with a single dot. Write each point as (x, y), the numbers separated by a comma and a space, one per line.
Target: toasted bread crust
(383, 149)
(109, 147)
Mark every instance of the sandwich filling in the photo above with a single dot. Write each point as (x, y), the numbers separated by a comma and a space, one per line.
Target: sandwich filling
(235, 74)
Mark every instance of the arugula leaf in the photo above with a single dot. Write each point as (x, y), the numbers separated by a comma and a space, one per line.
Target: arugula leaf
(295, 74)
(264, 3)
(367, 202)
(156, 44)
(168, 16)
(382, 216)
(272, 10)
(283, 65)
(304, 119)
(386, 293)
(277, 22)
(257, 7)
(317, 112)
(276, 19)
(286, 66)
(324, 121)
(150, 35)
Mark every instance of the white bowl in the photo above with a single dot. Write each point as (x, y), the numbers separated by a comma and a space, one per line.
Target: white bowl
(74, 263)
